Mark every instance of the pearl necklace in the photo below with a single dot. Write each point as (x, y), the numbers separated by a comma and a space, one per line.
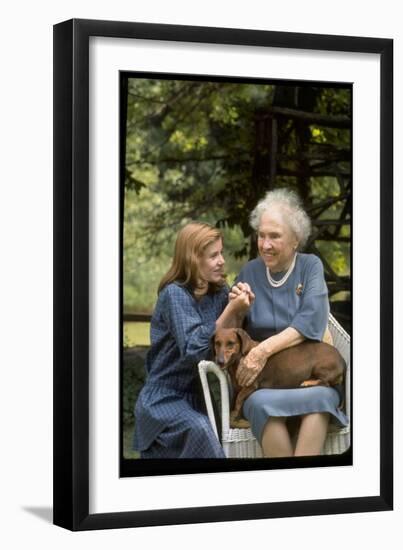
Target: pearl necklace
(279, 283)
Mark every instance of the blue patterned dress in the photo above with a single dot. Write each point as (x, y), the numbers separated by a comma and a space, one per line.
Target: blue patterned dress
(275, 309)
(170, 422)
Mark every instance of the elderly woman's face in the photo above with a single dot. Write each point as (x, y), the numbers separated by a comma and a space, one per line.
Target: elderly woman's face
(276, 242)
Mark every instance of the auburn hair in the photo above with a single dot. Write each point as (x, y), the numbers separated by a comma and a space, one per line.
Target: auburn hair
(190, 244)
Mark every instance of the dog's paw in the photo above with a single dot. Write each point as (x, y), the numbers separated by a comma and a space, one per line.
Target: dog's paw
(310, 383)
(238, 422)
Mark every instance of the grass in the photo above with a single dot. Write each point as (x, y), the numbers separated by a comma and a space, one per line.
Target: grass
(127, 443)
(136, 334)
(133, 380)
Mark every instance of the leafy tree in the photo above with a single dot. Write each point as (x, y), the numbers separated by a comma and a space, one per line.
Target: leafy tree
(210, 150)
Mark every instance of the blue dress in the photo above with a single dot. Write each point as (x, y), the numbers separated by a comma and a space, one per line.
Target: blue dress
(275, 309)
(170, 421)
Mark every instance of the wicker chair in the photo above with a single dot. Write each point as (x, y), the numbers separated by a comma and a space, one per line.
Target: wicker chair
(240, 443)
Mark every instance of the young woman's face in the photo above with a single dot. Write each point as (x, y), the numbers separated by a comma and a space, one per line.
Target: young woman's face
(276, 242)
(211, 265)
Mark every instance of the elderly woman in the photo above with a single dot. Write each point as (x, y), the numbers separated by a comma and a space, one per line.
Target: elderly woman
(289, 303)
(192, 303)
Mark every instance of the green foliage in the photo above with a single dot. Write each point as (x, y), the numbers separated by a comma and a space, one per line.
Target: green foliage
(128, 451)
(199, 150)
(146, 259)
(133, 380)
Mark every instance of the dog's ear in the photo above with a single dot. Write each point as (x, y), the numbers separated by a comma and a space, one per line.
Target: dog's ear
(245, 340)
(212, 344)
(212, 340)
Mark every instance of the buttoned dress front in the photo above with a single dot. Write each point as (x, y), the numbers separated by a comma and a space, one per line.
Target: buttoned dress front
(302, 303)
(170, 420)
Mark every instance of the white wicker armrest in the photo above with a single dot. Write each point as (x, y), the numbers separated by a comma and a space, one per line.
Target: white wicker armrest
(204, 368)
(341, 340)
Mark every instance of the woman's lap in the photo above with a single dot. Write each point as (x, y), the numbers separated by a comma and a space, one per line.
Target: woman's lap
(266, 403)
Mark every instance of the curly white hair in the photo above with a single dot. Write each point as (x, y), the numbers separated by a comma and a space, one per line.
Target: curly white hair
(290, 206)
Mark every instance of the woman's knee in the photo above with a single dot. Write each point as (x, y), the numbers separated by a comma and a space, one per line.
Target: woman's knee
(199, 423)
(276, 440)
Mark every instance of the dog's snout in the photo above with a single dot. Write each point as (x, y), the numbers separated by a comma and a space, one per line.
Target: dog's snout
(220, 360)
(226, 347)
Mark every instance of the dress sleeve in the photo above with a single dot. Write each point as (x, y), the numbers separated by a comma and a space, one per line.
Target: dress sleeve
(192, 334)
(312, 315)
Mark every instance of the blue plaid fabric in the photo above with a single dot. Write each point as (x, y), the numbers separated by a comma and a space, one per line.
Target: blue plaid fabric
(170, 421)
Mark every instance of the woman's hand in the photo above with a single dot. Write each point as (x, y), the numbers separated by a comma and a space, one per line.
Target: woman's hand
(239, 289)
(240, 299)
(240, 303)
(251, 365)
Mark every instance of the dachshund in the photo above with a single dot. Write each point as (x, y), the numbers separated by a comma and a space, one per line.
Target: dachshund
(304, 365)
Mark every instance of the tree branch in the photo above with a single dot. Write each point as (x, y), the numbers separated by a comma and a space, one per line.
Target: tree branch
(330, 121)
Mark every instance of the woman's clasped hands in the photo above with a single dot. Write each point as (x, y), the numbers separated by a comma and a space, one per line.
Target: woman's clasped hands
(242, 292)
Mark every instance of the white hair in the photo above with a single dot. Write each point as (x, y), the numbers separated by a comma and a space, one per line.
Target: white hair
(290, 206)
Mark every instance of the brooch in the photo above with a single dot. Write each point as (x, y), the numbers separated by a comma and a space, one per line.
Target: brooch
(299, 288)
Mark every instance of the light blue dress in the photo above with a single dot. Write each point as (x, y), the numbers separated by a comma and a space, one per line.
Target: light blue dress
(302, 303)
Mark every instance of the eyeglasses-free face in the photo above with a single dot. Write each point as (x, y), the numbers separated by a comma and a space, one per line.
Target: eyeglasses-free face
(276, 242)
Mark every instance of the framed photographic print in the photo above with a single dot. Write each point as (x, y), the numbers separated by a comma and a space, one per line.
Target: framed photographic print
(157, 126)
(207, 149)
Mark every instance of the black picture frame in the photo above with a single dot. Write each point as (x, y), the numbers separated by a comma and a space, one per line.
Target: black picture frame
(72, 284)
(130, 467)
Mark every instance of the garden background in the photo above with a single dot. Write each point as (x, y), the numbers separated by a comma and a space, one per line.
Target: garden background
(209, 150)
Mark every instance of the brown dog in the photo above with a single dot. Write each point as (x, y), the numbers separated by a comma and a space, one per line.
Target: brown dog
(307, 364)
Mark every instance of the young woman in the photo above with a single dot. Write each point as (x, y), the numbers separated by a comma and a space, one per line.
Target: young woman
(192, 303)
